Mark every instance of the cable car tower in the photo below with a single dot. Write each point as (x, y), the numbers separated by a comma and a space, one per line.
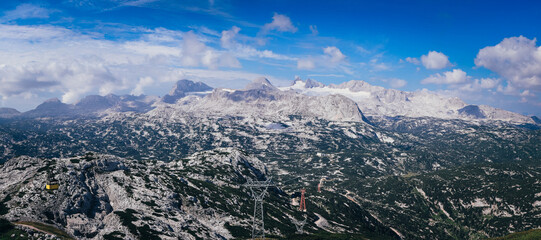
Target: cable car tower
(259, 190)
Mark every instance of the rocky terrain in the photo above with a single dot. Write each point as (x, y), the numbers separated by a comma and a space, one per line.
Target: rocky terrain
(173, 167)
(199, 197)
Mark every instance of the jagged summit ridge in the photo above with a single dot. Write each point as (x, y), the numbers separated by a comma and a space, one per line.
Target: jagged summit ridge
(182, 88)
(379, 101)
(260, 83)
(261, 97)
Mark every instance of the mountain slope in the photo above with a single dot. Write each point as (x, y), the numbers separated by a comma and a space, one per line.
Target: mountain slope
(197, 197)
(378, 101)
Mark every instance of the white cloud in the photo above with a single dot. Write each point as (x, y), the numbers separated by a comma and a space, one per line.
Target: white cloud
(26, 11)
(378, 66)
(517, 59)
(434, 60)
(487, 82)
(332, 58)
(362, 50)
(47, 60)
(143, 82)
(280, 23)
(397, 83)
(195, 53)
(33, 33)
(327, 75)
(334, 53)
(480, 84)
(306, 64)
(413, 60)
(228, 36)
(228, 41)
(456, 76)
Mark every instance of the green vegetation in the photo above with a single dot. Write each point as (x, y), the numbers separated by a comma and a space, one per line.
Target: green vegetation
(9, 232)
(334, 236)
(47, 228)
(533, 234)
(3, 208)
(114, 236)
(144, 232)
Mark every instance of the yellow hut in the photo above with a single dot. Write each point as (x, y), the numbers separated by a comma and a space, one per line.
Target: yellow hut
(51, 185)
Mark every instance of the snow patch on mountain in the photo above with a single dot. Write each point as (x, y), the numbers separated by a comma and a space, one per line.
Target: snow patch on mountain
(378, 101)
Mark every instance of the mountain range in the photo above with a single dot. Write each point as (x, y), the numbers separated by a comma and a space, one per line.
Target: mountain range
(374, 163)
(333, 102)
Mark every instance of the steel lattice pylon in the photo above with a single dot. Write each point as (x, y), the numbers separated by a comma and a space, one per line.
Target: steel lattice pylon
(299, 224)
(259, 190)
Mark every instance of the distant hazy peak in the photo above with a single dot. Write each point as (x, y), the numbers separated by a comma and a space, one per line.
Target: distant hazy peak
(260, 83)
(4, 110)
(357, 85)
(182, 87)
(309, 83)
(185, 85)
(52, 100)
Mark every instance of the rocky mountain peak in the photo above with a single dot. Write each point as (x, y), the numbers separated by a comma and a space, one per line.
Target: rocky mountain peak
(53, 103)
(260, 83)
(313, 83)
(8, 112)
(182, 87)
(472, 111)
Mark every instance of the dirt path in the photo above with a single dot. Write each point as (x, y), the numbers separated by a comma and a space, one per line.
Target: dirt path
(33, 228)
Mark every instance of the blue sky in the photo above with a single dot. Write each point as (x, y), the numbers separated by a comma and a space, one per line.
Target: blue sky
(485, 52)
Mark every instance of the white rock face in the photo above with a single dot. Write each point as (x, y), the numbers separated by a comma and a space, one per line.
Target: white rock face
(378, 101)
(103, 195)
(261, 99)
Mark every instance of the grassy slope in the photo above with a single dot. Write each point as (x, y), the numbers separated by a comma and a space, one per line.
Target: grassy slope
(533, 234)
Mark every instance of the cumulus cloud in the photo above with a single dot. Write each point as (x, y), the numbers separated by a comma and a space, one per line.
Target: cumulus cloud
(228, 37)
(334, 54)
(44, 60)
(280, 23)
(456, 76)
(517, 59)
(143, 82)
(435, 60)
(26, 11)
(332, 57)
(195, 53)
(480, 84)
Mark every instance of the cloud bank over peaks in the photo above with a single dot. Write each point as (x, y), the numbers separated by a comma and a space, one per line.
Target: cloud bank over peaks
(456, 76)
(517, 59)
